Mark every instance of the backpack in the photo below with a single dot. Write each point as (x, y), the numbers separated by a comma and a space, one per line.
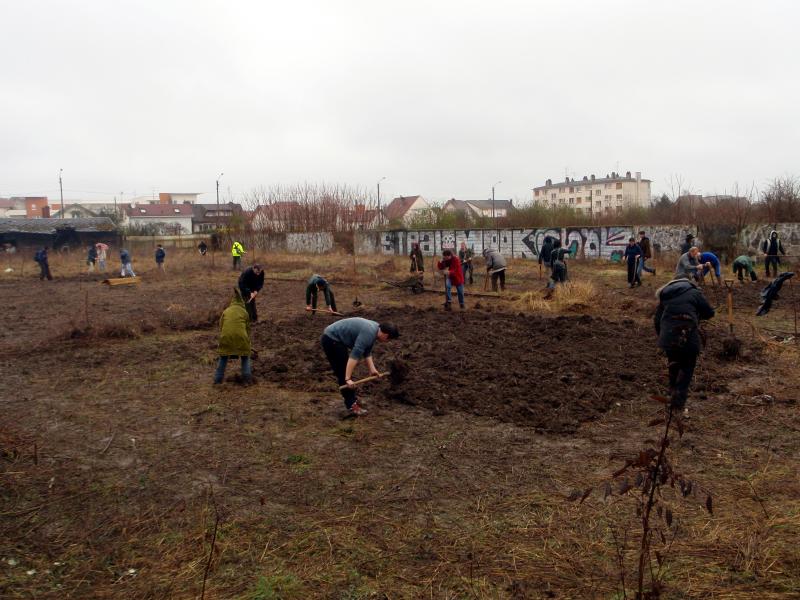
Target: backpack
(39, 256)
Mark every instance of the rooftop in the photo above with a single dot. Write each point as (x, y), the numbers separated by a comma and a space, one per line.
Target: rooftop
(613, 178)
(51, 226)
(160, 210)
(397, 208)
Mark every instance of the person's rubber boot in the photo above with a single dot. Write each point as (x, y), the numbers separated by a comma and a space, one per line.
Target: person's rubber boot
(462, 306)
(447, 306)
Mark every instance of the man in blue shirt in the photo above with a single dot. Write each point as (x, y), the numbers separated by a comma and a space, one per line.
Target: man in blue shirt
(345, 344)
(709, 260)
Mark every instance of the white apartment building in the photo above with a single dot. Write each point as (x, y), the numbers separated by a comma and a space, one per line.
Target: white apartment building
(610, 194)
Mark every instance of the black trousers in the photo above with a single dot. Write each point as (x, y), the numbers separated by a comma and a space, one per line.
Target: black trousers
(739, 270)
(772, 260)
(237, 263)
(338, 354)
(501, 277)
(633, 275)
(251, 310)
(681, 369)
(314, 299)
(45, 271)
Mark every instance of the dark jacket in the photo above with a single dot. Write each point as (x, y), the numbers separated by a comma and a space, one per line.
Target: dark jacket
(770, 293)
(160, 255)
(41, 256)
(686, 246)
(546, 250)
(681, 307)
(631, 252)
(250, 282)
(311, 289)
(124, 256)
(773, 245)
(92, 256)
(644, 244)
(416, 257)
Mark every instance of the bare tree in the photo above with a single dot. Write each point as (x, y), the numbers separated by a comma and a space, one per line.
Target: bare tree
(781, 200)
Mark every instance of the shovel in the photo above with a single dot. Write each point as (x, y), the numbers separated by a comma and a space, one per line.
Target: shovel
(330, 312)
(365, 380)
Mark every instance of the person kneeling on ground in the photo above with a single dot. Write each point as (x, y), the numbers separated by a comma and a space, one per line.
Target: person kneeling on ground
(234, 338)
(496, 267)
(454, 277)
(250, 283)
(744, 263)
(633, 254)
(317, 284)
(681, 307)
(345, 344)
(710, 261)
(687, 264)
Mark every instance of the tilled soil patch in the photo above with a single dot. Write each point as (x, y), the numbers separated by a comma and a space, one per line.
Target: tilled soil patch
(547, 373)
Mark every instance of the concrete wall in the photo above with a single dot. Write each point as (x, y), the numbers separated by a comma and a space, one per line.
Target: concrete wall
(314, 243)
(606, 242)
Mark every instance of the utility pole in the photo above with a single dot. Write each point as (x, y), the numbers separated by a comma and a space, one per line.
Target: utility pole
(494, 216)
(61, 189)
(217, 218)
(379, 198)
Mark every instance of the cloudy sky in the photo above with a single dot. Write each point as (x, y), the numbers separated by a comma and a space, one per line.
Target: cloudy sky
(443, 98)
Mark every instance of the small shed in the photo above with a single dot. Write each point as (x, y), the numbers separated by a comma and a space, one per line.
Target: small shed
(60, 234)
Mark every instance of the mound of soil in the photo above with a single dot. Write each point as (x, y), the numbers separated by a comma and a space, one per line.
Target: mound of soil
(547, 373)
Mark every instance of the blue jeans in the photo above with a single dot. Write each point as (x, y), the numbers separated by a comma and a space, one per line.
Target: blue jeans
(717, 271)
(219, 375)
(448, 287)
(643, 267)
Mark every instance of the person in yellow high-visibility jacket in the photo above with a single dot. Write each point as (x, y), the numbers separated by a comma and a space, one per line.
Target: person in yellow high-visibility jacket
(237, 250)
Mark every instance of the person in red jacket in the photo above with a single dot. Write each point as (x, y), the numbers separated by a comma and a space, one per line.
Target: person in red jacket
(455, 277)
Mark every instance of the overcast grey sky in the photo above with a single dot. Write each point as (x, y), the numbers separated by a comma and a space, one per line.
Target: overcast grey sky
(443, 98)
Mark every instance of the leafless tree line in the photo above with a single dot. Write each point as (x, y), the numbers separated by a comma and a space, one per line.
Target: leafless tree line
(311, 207)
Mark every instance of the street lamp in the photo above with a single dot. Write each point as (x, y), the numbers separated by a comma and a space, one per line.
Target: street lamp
(494, 217)
(218, 178)
(379, 197)
(61, 190)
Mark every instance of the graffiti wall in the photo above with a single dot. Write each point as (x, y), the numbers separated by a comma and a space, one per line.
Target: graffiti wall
(583, 242)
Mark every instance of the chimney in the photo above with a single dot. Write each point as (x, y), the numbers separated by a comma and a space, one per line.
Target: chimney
(45, 212)
(585, 178)
(638, 175)
(164, 198)
(592, 176)
(549, 182)
(628, 175)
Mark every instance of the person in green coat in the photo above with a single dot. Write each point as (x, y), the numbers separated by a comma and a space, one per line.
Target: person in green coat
(234, 338)
(744, 263)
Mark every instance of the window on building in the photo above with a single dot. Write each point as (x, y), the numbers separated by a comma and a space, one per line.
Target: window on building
(580, 199)
(561, 201)
(607, 186)
(535, 192)
(619, 185)
(597, 192)
(572, 200)
(598, 203)
(552, 196)
(578, 189)
(619, 197)
(571, 190)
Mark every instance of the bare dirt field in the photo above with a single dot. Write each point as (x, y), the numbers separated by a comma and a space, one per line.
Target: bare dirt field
(122, 466)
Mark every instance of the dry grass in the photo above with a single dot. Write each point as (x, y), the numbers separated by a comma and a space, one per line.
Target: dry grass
(572, 297)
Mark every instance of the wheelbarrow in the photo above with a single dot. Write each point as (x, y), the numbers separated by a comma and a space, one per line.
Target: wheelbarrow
(413, 283)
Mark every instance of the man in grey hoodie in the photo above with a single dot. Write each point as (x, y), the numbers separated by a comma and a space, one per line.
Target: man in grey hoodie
(496, 267)
(681, 307)
(688, 264)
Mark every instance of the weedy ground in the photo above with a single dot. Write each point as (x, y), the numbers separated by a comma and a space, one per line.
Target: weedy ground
(118, 458)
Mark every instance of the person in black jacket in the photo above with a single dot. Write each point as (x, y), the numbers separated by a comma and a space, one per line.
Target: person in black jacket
(681, 307)
(250, 283)
(632, 255)
(688, 244)
(317, 284)
(771, 248)
(546, 250)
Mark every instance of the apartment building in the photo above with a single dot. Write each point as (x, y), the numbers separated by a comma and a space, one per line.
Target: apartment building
(609, 194)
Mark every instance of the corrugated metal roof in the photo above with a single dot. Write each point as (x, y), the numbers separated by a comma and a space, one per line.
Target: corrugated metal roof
(50, 226)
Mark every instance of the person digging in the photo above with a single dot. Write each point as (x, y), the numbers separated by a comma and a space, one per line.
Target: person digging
(346, 343)
(234, 339)
(417, 260)
(744, 264)
(496, 268)
(681, 307)
(317, 284)
(465, 255)
(453, 277)
(250, 283)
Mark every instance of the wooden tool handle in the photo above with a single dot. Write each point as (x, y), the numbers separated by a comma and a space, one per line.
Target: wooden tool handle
(331, 312)
(365, 380)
